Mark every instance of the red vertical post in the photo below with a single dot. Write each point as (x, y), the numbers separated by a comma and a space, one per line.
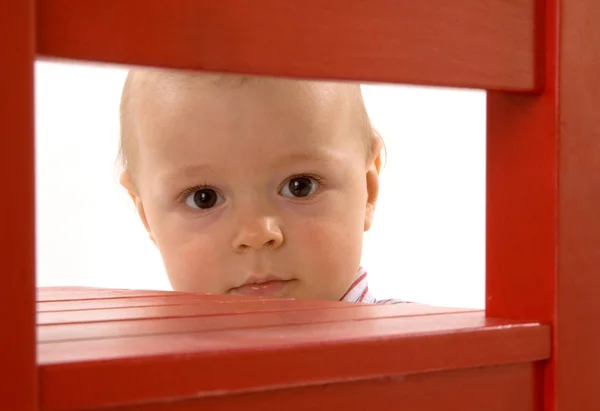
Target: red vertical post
(543, 202)
(17, 256)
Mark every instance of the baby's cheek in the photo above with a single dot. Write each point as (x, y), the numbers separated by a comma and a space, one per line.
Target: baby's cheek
(330, 256)
(191, 263)
(330, 240)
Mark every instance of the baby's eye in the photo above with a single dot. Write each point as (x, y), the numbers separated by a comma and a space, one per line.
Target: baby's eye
(300, 187)
(204, 198)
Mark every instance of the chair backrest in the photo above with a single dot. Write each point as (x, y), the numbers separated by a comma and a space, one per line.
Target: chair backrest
(539, 62)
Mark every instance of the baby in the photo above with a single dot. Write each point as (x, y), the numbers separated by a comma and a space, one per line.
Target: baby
(252, 186)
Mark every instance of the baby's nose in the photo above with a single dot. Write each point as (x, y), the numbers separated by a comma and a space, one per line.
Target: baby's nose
(257, 233)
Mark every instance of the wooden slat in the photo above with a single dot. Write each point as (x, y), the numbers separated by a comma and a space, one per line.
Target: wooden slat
(199, 308)
(48, 294)
(241, 319)
(511, 387)
(183, 365)
(577, 337)
(139, 301)
(17, 246)
(543, 203)
(467, 43)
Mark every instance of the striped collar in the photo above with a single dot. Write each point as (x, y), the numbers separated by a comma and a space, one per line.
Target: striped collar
(358, 292)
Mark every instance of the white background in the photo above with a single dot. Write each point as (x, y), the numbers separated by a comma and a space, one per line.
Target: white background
(426, 245)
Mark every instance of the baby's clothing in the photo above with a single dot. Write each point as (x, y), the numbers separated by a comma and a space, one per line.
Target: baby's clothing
(358, 292)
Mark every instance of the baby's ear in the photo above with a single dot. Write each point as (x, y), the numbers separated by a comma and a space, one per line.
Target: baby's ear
(372, 177)
(126, 181)
(377, 146)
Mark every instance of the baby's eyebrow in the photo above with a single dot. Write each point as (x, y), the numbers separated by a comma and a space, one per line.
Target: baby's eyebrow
(190, 171)
(312, 155)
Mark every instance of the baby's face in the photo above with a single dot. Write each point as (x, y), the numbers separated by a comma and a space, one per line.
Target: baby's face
(263, 188)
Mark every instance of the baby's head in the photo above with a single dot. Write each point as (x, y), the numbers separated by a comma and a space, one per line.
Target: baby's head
(242, 180)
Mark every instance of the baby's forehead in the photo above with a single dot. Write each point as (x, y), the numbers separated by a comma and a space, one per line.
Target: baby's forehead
(165, 88)
(183, 101)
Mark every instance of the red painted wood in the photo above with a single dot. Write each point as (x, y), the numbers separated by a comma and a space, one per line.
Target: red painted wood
(543, 228)
(17, 268)
(138, 301)
(198, 308)
(177, 365)
(467, 43)
(47, 294)
(578, 282)
(543, 200)
(509, 387)
(124, 328)
(521, 198)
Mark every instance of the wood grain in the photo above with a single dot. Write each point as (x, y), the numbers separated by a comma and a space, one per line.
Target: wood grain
(468, 43)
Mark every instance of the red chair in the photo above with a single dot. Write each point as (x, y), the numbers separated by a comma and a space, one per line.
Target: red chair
(536, 346)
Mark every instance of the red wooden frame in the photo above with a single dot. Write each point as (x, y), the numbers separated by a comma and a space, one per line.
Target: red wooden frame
(378, 40)
(535, 347)
(18, 388)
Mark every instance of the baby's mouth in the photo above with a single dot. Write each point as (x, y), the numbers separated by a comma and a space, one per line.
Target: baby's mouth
(262, 287)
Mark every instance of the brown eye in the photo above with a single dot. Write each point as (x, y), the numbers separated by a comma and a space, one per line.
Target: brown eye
(204, 199)
(300, 187)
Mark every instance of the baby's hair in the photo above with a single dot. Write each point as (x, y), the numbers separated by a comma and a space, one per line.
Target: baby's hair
(127, 130)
